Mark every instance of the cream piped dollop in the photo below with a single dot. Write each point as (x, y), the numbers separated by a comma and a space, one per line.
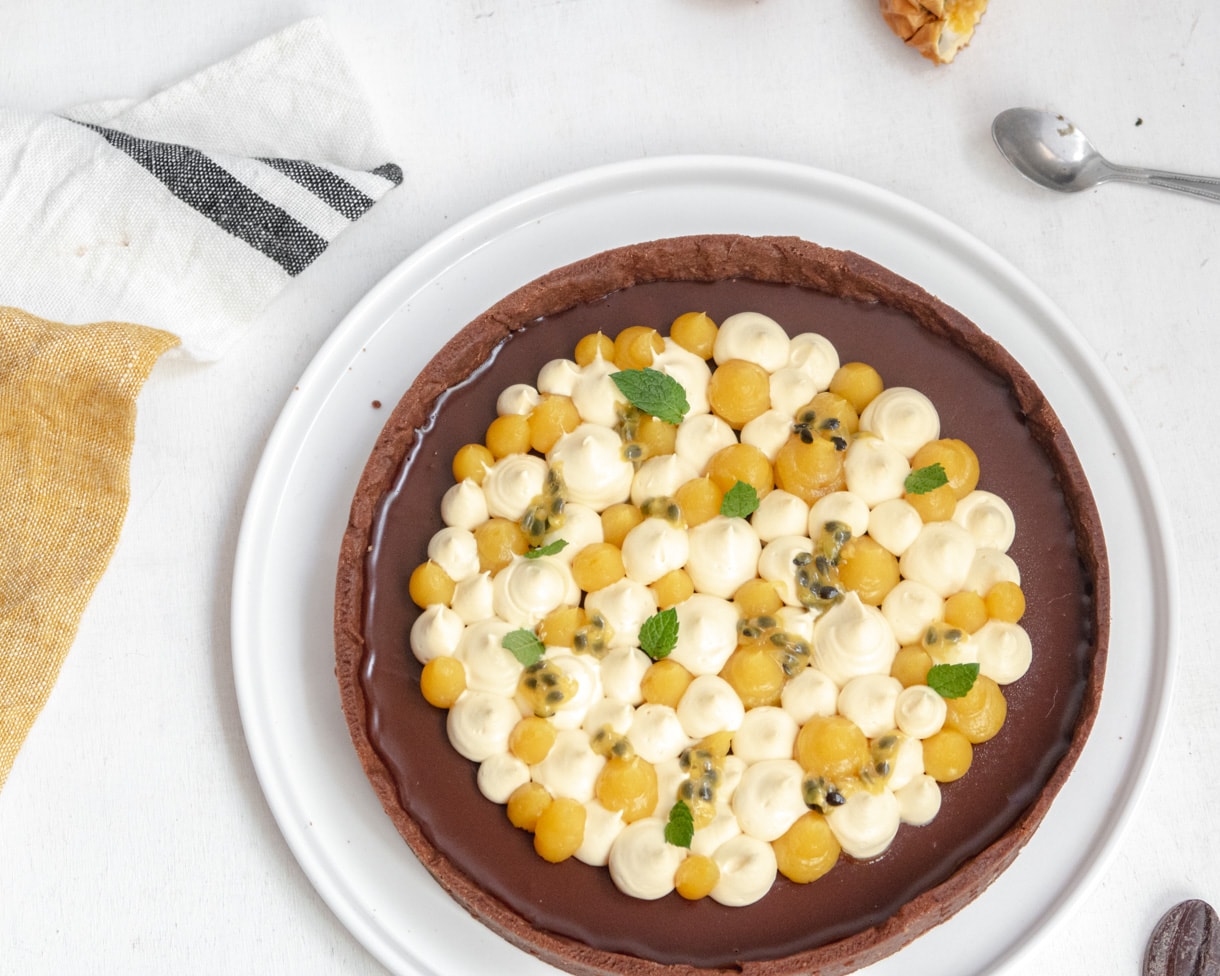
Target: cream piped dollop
(903, 417)
(810, 693)
(769, 798)
(490, 667)
(594, 471)
(766, 732)
(815, 355)
(595, 395)
(661, 476)
(526, 590)
(754, 337)
(988, 519)
(895, 524)
(656, 733)
(700, 436)
(851, 639)
(436, 633)
(869, 701)
(519, 399)
(512, 483)
(747, 870)
(558, 377)
(571, 767)
(920, 711)
(689, 370)
(940, 557)
(875, 470)
(707, 633)
(625, 606)
(1003, 650)
(479, 724)
(776, 565)
(500, 774)
(919, 801)
(866, 824)
(653, 548)
(464, 505)
(723, 554)
(909, 608)
(642, 863)
(473, 598)
(710, 705)
(791, 388)
(839, 506)
(768, 432)
(779, 513)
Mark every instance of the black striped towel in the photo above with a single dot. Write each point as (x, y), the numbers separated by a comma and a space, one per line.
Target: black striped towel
(191, 210)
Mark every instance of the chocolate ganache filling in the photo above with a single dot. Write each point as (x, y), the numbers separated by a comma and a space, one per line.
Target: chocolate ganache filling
(868, 909)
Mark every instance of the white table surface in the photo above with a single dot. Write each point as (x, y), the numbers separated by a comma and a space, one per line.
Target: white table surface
(134, 837)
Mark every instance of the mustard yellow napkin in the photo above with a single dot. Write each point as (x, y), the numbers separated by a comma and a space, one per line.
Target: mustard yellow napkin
(67, 423)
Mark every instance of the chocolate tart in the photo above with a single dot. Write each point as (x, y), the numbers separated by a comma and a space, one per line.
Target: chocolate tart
(570, 914)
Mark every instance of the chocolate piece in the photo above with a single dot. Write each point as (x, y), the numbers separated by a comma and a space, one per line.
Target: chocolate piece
(570, 914)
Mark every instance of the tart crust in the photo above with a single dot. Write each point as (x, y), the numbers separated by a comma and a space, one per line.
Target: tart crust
(784, 260)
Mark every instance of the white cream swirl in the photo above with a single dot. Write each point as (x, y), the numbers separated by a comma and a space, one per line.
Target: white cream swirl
(558, 377)
(839, 506)
(571, 767)
(766, 732)
(723, 554)
(852, 639)
(642, 863)
(656, 733)
(768, 432)
(490, 667)
(779, 513)
(919, 801)
(583, 670)
(754, 337)
(473, 598)
(464, 506)
(661, 476)
(776, 565)
(602, 828)
(593, 468)
(595, 395)
(920, 711)
(689, 370)
(747, 871)
(479, 724)
(940, 557)
(875, 470)
(455, 551)
(903, 417)
(710, 705)
(622, 670)
(500, 774)
(895, 524)
(909, 608)
(791, 389)
(1004, 651)
(581, 527)
(700, 436)
(866, 824)
(512, 483)
(769, 798)
(707, 633)
(810, 693)
(988, 519)
(436, 633)
(625, 605)
(869, 701)
(519, 399)
(990, 566)
(526, 590)
(815, 355)
(654, 548)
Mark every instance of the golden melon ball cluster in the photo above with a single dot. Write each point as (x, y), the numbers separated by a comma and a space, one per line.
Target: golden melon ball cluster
(961, 466)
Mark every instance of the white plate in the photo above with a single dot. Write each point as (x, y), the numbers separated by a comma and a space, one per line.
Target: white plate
(297, 512)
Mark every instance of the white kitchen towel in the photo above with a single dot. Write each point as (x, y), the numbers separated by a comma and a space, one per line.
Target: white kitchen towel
(191, 210)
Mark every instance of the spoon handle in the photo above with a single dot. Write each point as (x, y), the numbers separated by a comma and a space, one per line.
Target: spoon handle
(1207, 187)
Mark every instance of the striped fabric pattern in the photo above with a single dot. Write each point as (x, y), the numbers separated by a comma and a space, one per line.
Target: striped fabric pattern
(266, 219)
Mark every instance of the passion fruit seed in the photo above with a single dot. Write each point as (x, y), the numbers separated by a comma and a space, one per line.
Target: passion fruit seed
(545, 688)
(545, 512)
(594, 637)
(817, 573)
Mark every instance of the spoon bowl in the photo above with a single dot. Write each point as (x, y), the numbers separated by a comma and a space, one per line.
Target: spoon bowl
(1051, 151)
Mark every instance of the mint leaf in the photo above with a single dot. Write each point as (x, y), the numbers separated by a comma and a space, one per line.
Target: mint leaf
(659, 634)
(654, 392)
(525, 645)
(548, 550)
(952, 680)
(923, 480)
(680, 830)
(740, 501)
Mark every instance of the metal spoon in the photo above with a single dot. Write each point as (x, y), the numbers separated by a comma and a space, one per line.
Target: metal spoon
(1185, 942)
(1049, 150)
